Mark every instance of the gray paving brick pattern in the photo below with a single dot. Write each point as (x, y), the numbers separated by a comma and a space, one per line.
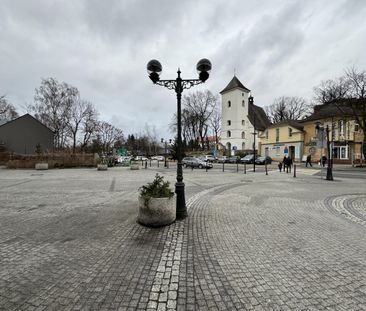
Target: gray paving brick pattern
(69, 241)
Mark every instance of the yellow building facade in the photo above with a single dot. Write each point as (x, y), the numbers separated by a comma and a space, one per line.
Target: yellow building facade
(298, 139)
(345, 139)
(282, 139)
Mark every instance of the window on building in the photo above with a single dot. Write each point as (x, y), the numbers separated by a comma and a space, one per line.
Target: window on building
(228, 122)
(242, 122)
(341, 127)
(228, 133)
(289, 132)
(343, 152)
(242, 94)
(243, 146)
(229, 103)
(277, 135)
(357, 127)
(243, 103)
(243, 135)
(266, 134)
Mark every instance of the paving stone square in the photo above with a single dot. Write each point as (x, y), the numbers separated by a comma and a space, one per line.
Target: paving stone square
(69, 240)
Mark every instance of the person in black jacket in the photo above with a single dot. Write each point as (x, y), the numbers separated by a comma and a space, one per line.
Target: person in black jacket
(308, 161)
(324, 160)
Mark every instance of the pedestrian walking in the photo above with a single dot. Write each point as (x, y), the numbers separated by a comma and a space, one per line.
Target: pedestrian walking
(284, 163)
(324, 160)
(308, 161)
(280, 166)
(289, 163)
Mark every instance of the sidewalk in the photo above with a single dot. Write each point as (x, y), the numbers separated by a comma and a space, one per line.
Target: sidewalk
(69, 241)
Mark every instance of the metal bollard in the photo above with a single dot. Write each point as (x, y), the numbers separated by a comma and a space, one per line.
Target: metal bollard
(150, 162)
(294, 170)
(245, 168)
(223, 166)
(265, 164)
(145, 165)
(206, 168)
(237, 167)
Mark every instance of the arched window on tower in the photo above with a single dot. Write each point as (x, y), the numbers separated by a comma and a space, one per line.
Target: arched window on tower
(229, 104)
(228, 133)
(243, 135)
(243, 103)
(243, 146)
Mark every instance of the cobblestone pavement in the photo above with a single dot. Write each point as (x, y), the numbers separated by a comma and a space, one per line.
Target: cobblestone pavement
(69, 241)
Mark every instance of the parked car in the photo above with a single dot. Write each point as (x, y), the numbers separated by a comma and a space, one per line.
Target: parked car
(248, 159)
(195, 162)
(263, 160)
(158, 158)
(233, 159)
(209, 158)
(222, 159)
(140, 158)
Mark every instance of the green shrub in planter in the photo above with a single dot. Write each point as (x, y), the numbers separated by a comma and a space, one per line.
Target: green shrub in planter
(156, 203)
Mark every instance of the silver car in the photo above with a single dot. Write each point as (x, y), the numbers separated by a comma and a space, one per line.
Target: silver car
(195, 162)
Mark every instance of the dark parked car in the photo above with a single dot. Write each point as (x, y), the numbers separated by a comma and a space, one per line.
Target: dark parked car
(263, 160)
(195, 162)
(248, 159)
(234, 159)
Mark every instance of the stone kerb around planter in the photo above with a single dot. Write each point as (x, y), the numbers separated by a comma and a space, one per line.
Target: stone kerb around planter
(102, 167)
(41, 166)
(157, 212)
(134, 165)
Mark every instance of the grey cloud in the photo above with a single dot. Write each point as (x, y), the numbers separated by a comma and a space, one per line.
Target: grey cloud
(277, 47)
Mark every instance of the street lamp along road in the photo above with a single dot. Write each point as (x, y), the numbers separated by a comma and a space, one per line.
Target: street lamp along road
(154, 70)
(165, 142)
(320, 127)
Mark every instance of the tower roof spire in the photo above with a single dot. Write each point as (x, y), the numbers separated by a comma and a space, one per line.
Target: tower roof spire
(233, 84)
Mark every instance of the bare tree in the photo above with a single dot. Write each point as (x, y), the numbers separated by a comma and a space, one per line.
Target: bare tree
(200, 106)
(108, 134)
(7, 110)
(347, 91)
(215, 122)
(89, 125)
(53, 102)
(287, 108)
(80, 113)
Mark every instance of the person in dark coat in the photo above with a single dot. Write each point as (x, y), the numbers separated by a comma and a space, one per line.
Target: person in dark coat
(308, 161)
(289, 164)
(280, 166)
(324, 160)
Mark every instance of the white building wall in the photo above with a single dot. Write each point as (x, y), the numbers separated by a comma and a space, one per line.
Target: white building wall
(236, 113)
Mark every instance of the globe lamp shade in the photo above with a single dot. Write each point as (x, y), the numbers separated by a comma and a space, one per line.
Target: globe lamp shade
(154, 69)
(203, 68)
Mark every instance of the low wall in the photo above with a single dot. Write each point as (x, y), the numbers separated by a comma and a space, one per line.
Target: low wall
(53, 160)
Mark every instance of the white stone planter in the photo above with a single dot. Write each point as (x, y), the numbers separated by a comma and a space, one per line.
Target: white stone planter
(102, 167)
(41, 166)
(134, 166)
(158, 212)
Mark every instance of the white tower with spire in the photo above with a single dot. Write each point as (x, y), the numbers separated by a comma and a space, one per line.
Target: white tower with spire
(236, 127)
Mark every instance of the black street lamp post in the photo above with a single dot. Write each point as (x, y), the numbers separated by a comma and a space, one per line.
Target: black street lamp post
(251, 101)
(166, 149)
(320, 127)
(154, 69)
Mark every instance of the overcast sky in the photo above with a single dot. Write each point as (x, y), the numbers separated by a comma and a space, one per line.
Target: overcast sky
(276, 48)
